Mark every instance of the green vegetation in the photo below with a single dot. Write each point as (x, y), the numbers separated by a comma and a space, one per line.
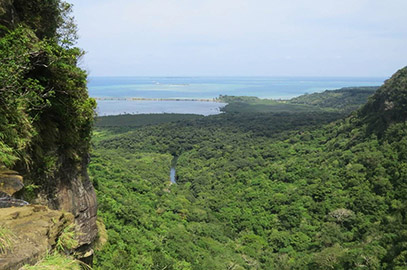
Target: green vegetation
(343, 100)
(45, 112)
(346, 99)
(388, 105)
(266, 185)
(6, 240)
(143, 120)
(258, 190)
(237, 104)
(56, 261)
(62, 255)
(66, 241)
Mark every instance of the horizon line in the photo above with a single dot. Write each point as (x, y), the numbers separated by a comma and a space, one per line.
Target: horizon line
(234, 76)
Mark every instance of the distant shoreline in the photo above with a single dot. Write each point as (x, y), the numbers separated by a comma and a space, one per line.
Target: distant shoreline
(160, 99)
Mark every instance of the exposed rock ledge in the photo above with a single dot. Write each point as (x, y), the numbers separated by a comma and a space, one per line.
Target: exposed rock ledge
(72, 191)
(35, 231)
(79, 198)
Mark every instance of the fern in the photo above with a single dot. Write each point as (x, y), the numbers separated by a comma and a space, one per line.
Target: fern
(67, 240)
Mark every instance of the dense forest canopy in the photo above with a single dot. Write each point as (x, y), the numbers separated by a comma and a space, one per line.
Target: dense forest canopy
(343, 100)
(308, 183)
(315, 189)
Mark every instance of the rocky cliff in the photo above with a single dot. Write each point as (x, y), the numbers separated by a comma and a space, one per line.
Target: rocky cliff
(37, 227)
(46, 117)
(74, 193)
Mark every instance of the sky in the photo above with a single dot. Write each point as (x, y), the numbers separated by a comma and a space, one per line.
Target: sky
(242, 37)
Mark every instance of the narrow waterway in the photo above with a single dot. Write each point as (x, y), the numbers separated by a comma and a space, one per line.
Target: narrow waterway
(172, 176)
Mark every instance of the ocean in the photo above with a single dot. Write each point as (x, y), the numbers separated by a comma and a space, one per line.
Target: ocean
(205, 88)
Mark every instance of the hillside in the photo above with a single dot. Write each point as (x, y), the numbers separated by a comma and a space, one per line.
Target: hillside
(294, 195)
(313, 183)
(388, 105)
(343, 100)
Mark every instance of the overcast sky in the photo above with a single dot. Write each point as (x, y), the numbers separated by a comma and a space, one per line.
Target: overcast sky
(242, 37)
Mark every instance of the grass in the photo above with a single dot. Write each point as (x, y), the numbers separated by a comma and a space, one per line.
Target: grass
(67, 240)
(6, 240)
(57, 261)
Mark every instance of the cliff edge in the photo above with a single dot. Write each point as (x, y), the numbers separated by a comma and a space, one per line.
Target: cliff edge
(46, 118)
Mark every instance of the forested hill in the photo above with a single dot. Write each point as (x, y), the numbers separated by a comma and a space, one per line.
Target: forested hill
(388, 105)
(322, 195)
(343, 100)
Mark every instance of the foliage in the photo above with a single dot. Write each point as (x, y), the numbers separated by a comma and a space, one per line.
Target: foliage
(342, 100)
(267, 185)
(16, 129)
(254, 191)
(56, 261)
(66, 241)
(387, 105)
(346, 99)
(102, 234)
(46, 115)
(142, 120)
(256, 105)
(6, 240)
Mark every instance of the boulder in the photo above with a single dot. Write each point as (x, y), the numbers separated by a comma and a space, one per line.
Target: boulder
(10, 182)
(34, 230)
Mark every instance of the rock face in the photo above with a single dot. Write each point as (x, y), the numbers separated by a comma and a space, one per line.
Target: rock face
(70, 191)
(79, 198)
(34, 231)
(10, 182)
(8, 201)
(73, 192)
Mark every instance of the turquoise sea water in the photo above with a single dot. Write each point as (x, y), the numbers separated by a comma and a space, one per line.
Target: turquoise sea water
(211, 87)
(205, 87)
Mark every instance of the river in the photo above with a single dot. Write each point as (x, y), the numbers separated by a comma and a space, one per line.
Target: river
(172, 176)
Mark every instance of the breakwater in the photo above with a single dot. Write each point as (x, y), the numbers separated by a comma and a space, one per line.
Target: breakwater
(159, 99)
